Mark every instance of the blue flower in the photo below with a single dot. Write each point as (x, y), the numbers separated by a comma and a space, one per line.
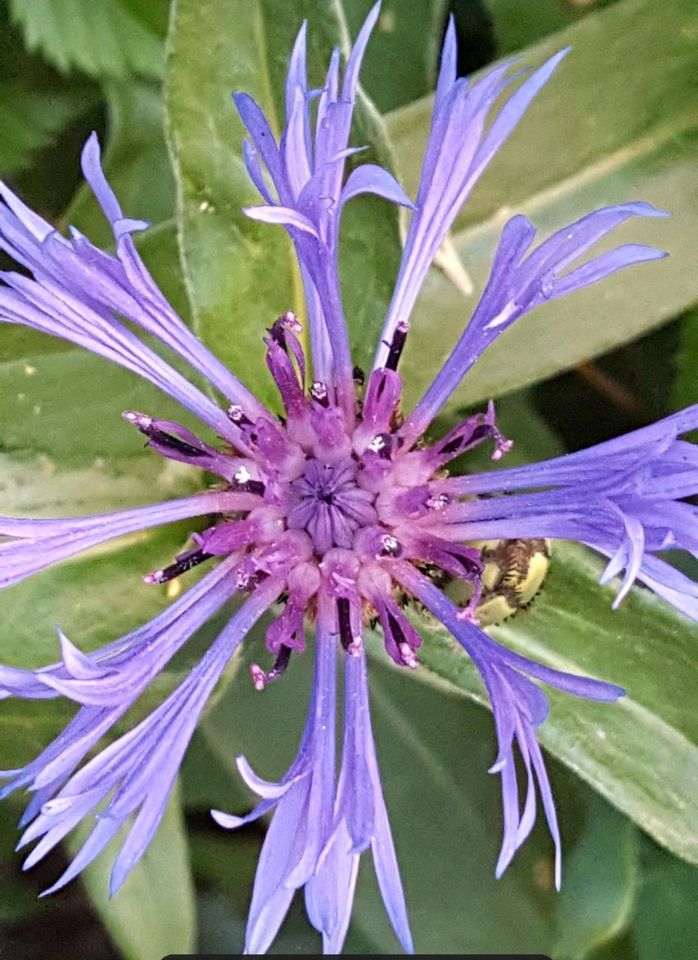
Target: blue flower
(333, 512)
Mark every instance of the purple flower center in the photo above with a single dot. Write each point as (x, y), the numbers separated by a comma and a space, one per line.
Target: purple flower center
(329, 505)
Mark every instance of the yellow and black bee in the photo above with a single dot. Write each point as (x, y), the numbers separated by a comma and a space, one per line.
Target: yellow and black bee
(514, 571)
(512, 577)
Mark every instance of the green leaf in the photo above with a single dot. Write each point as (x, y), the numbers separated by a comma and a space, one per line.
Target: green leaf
(99, 37)
(135, 162)
(19, 900)
(665, 921)
(639, 753)
(32, 119)
(434, 750)
(592, 137)
(601, 883)
(240, 274)
(686, 383)
(518, 23)
(153, 14)
(66, 405)
(400, 64)
(154, 913)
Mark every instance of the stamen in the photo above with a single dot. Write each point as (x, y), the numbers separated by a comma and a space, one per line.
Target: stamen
(438, 501)
(242, 478)
(185, 561)
(397, 344)
(169, 441)
(261, 678)
(237, 415)
(318, 392)
(390, 546)
(286, 322)
(247, 579)
(381, 444)
(409, 658)
(350, 643)
(408, 655)
(291, 322)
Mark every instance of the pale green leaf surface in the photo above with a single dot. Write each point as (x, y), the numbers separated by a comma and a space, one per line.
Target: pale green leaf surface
(153, 14)
(154, 913)
(685, 389)
(601, 883)
(67, 405)
(593, 137)
(665, 922)
(98, 37)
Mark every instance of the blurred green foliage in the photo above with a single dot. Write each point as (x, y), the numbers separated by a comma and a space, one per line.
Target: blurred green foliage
(618, 122)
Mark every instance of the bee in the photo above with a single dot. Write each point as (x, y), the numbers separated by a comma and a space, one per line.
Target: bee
(513, 574)
(512, 577)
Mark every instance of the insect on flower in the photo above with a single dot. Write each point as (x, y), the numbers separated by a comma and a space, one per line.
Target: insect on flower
(330, 511)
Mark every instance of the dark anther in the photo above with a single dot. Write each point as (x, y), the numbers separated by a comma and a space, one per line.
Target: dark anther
(170, 442)
(453, 446)
(277, 332)
(464, 440)
(167, 440)
(344, 616)
(185, 561)
(397, 344)
(252, 486)
(236, 414)
(286, 323)
(481, 432)
(359, 376)
(261, 678)
(396, 630)
(470, 566)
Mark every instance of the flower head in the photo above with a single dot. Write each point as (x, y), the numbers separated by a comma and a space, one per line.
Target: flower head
(333, 509)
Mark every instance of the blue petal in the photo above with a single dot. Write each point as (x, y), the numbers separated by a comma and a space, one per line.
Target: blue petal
(370, 178)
